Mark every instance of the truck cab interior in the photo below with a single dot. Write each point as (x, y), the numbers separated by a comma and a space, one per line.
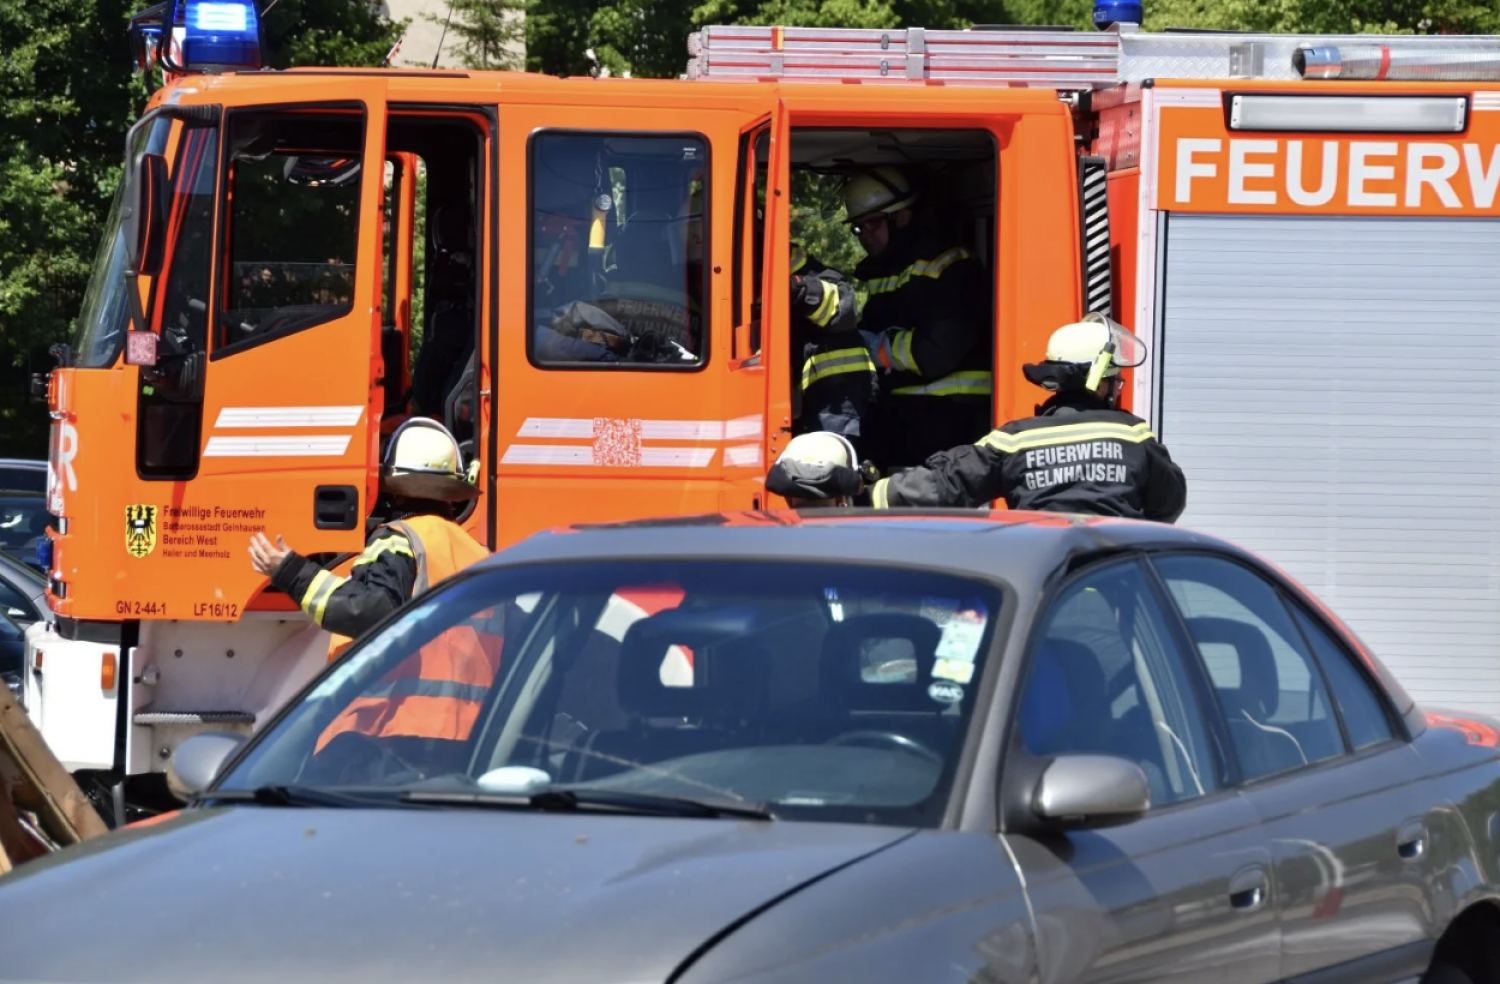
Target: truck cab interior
(954, 172)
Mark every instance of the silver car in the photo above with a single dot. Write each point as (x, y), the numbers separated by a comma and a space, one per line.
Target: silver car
(893, 749)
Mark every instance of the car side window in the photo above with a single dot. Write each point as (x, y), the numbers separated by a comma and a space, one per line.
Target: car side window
(1364, 715)
(1268, 685)
(14, 604)
(1107, 677)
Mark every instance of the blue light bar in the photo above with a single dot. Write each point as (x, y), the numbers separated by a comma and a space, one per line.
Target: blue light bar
(220, 35)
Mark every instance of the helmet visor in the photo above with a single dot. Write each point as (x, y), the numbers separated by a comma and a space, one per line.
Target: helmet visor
(1129, 350)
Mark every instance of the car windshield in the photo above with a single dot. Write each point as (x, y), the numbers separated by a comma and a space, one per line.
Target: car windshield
(817, 690)
(23, 519)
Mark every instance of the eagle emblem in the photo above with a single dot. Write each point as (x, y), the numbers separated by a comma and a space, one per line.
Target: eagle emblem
(140, 530)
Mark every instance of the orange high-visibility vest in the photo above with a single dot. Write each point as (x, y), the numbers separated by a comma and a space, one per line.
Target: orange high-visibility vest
(437, 691)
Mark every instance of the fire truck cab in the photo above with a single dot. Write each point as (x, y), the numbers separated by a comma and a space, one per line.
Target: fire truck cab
(299, 260)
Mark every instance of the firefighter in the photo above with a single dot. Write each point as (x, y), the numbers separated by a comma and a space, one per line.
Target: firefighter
(434, 693)
(1079, 454)
(927, 321)
(838, 373)
(818, 471)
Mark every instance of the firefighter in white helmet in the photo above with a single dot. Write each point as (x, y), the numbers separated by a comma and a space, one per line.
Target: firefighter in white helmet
(927, 322)
(818, 471)
(1079, 454)
(418, 547)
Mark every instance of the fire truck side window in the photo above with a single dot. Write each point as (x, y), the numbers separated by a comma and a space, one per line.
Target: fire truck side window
(293, 223)
(618, 237)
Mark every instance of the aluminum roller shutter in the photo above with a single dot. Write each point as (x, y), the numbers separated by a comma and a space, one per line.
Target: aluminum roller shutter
(1331, 387)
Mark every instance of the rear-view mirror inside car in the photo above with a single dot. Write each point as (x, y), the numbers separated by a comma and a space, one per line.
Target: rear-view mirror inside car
(1092, 790)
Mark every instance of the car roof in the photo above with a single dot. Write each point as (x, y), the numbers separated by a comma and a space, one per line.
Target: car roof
(999, 544)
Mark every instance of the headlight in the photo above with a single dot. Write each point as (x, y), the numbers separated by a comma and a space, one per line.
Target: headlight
(12, 680)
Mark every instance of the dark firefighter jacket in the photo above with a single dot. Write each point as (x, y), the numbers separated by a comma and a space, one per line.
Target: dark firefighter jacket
(939, 300)
(1074, 456)
(838, 374)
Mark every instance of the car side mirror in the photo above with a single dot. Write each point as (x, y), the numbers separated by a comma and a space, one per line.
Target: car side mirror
(196, 762)
(1091, 790)
(146, 192)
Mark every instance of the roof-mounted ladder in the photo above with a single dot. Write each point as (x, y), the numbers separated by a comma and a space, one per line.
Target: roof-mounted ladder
(1054, 59)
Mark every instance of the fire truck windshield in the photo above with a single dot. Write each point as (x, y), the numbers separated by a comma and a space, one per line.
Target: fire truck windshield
(102, 318)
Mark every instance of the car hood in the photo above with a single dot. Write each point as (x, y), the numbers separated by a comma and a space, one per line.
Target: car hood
(267, 894)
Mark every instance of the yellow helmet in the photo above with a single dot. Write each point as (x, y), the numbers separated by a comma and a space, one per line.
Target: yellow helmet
(423, 462)
(881, 189)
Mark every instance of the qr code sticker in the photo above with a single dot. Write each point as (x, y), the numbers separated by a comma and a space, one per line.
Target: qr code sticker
(617, 442)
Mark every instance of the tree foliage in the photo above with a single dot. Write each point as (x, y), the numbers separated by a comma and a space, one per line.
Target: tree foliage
(488, 31)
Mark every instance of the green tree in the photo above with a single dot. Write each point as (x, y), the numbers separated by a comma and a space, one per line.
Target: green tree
(488, 32)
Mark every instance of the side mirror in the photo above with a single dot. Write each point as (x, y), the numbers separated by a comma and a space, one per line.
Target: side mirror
(1092, 789)
(196, 762)
(147, 190)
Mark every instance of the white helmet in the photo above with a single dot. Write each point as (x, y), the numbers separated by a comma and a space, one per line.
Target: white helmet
(1084, 353)
(820, 465)
(881, 189)
(423, 462)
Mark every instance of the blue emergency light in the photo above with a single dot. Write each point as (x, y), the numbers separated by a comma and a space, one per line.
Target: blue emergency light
(1108, 13)
(219, 35)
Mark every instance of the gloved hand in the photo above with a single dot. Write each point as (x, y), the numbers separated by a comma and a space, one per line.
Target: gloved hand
(868, 475)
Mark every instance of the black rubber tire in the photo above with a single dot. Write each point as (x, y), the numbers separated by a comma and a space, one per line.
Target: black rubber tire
(1445, 974)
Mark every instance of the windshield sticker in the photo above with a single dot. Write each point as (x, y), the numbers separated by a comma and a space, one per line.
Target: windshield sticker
(945, 693)
(959, 645)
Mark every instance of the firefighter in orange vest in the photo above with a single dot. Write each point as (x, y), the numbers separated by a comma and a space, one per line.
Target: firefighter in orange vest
(436, 693)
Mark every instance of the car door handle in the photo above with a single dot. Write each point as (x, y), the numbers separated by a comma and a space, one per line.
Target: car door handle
(1248, 889)
(1411, 841)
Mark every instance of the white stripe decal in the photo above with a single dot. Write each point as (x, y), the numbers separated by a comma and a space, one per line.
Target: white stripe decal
(277, 447)
(548, 454)
(556, 427)
(742, 428)
(584, 428)
(289, 416)
(583, 455)
(742, 455)
(682, 430)
(677, 457)
(1486, 102)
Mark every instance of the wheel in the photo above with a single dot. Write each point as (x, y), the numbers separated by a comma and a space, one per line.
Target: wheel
(1445, 974)
(901, 742)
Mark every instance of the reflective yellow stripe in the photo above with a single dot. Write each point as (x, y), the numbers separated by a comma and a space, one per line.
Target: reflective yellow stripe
(385, 545)
(880, 494)
(975, 383)
(799, 258)
(828, 307)
(901, 357)
(837, 362)
(1067, 434)
(323, 585)
(922, 268)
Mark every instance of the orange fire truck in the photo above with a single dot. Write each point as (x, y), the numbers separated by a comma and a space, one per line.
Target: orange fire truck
(1300, 228)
